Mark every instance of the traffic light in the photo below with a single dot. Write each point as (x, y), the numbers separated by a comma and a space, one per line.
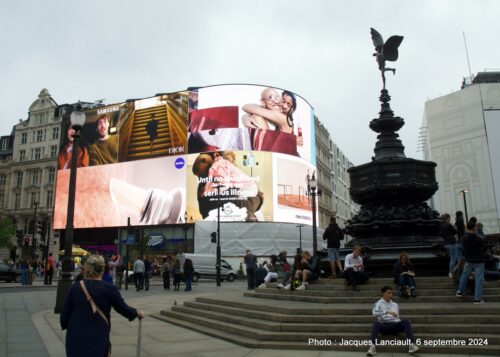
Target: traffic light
(214, 237)
(19, 237)
(40, 229)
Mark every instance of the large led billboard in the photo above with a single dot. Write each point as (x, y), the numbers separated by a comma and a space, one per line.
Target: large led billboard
(244, 148)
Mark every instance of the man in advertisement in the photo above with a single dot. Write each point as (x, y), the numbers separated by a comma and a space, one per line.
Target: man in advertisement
(105, 149)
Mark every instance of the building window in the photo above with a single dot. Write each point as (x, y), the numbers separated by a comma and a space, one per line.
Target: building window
(1, 199)
(33, 136)
(39, 135)
(38, 154)
(35, 177)
(52, 174)
(22, 155)
(24, 138)
(17, 201)
(55, 133)
(33, 198)
(19, 179)
(53, 151)
(3, 180)
(50, 198)
(5, 143)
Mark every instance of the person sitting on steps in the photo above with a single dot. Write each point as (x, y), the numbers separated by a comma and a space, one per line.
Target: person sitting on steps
(388, 321)
(310, 270)
(404, 276)
(354, 269)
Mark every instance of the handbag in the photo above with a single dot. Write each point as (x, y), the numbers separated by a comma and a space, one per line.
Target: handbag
(95, 309)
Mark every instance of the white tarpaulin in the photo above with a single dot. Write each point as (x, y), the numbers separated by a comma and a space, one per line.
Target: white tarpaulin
(262, 238)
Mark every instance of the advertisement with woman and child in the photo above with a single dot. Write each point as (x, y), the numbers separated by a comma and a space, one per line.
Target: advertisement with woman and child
(244, 148)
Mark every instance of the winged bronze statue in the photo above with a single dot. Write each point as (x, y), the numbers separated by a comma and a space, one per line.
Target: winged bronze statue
(387, 51)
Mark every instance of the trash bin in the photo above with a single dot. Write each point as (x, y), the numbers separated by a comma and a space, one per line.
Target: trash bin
(30, 278)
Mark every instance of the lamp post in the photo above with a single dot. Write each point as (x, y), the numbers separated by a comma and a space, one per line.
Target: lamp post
(35, 226)
(185, 231)
(463, 192)
(218, 252)
(312, 190)
(63, 286)
(300, 235)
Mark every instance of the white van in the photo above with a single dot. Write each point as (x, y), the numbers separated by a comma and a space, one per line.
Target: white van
(205, 266)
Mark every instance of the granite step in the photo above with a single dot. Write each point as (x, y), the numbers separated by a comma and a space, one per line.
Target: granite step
(307, 326)
(452, 307)
(305, 296)
(254, 338)
(347, 292)
(428, 318)
(329, 345)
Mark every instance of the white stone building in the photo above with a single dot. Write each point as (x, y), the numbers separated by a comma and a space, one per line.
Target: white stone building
(460, 134)
(27, 180)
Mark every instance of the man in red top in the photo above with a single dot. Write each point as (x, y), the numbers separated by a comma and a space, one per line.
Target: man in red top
(49, 269)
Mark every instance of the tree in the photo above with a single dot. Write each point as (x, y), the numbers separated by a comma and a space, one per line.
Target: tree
(7, 231)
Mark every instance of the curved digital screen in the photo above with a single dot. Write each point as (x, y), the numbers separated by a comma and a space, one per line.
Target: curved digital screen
(239, 151)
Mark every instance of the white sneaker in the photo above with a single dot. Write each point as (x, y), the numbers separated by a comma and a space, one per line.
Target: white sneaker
(302, 287)
(288, 287)
(263, 285)
(280, 286)
(450, 275)
(371, 351)
(413, 348)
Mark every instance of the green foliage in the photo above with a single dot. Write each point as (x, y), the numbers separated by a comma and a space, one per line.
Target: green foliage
(7, 232)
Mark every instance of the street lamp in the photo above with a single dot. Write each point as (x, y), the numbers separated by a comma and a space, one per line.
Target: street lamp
(313, 191)
(218, 252)
(185, 231)
(463, 192)
(31, 250)
(64, 285)
(300, 235)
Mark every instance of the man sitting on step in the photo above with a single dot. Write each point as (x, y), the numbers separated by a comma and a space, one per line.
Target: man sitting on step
(354, 269)
(388, 322)
(310, 270)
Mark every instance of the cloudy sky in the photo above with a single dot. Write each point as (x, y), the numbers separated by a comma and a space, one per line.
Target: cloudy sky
(319, 49)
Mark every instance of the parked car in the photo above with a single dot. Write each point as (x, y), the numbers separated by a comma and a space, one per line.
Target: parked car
(205, 266)
(8, 273)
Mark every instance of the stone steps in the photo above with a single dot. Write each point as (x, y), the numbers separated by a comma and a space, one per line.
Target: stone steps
(332, 342)
(335, 318)
(347, 292)
(321, 317)
(451, 308)
(348, 326)
(306, 296)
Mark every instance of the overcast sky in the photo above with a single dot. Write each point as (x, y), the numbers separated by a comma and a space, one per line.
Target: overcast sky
(319, 49)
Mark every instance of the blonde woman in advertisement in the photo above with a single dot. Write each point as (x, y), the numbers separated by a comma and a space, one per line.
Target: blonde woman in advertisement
(278, 111)
(275, 109)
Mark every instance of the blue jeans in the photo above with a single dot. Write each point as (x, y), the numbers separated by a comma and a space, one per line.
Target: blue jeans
(24, 276)
(407, 280)
(460, 251)
(478, 269)
(187, 280)
(452, 253)
(392, 328)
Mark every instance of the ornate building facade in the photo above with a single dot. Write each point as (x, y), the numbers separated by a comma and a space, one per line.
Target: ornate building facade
(460, 133)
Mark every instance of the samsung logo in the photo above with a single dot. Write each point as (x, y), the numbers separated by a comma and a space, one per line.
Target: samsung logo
(107, 110)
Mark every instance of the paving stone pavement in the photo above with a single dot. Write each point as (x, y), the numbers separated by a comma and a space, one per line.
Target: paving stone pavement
(29, 327)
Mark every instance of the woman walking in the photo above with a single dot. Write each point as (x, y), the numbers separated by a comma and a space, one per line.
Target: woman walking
(86, 312)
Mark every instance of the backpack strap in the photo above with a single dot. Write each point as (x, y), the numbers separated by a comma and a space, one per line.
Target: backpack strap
(92, 303)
